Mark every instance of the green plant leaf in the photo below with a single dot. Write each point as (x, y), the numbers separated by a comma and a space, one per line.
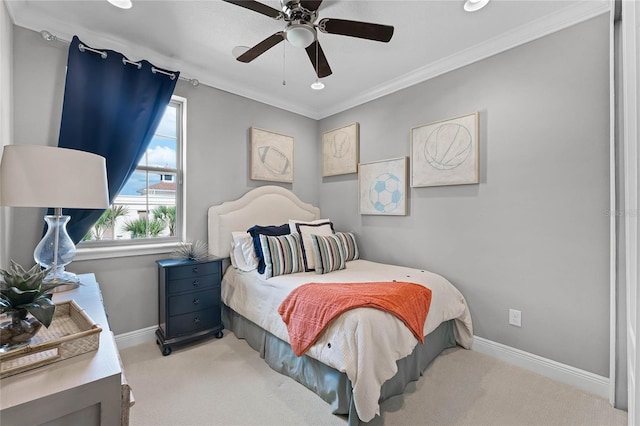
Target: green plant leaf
(21, 297)
(41, 308)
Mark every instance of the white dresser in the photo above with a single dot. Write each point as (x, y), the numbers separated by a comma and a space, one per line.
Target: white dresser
(83, 390)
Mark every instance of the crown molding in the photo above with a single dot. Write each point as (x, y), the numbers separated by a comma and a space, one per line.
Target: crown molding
(254, 95)
(187, 70)
(565, 18)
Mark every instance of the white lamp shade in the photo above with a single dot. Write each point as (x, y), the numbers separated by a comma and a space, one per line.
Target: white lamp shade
(46, 176)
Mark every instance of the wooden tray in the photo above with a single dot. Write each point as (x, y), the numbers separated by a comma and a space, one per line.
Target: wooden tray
(72, 332)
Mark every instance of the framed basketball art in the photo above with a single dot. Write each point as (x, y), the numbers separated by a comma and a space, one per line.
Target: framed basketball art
(445, 152)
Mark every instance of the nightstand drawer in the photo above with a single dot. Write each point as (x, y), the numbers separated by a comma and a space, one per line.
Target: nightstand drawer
(193, 283)
(190, 271)
(193, 301)
(191, 322)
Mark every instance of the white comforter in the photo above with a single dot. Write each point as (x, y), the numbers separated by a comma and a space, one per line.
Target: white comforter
(364, 343)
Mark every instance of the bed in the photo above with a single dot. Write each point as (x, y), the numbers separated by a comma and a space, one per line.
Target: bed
(365, 355)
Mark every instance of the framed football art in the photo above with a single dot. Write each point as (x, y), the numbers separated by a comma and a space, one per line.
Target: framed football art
(271, 156)
(445, 152)
(382, 187)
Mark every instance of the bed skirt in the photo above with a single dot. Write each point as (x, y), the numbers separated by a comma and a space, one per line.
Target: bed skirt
(328, 383)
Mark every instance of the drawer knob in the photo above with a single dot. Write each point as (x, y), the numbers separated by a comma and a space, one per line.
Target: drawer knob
(195, 283)
(195, 269)
(196, 320)
(196, 301)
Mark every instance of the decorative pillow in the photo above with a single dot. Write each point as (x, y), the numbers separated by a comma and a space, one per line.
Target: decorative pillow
(329, 252)
(350, 246)
(293, 222)
(282, 254)
(242, 254)
(306, 229)
(232, 256)
(271, 230)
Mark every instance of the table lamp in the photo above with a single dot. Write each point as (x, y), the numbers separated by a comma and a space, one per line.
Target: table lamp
(46, 176)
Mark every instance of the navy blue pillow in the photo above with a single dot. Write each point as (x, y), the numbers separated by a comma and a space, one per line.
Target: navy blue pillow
(271, 230)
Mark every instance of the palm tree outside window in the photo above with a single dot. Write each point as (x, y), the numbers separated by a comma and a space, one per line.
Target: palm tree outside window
(149, 206)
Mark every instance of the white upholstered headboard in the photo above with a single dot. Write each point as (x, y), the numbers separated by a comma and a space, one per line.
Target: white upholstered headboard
(265, 205)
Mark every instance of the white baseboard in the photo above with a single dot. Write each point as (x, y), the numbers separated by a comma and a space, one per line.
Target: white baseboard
(576, 377)
(136, 337)
(581, 379)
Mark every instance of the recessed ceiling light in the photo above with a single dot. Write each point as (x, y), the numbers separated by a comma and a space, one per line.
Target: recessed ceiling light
(317, 85)
(473, 5)
(238, 51)
(122, 4)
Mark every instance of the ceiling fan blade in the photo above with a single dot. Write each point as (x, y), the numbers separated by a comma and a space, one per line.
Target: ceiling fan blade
(256, 7)
(324, 70)
(261, 47)
(358, 29)
(310, 4)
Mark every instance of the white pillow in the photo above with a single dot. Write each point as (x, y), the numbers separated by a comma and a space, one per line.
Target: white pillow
(243, 256)
(294, 230)
(306, 229)
(232, 255)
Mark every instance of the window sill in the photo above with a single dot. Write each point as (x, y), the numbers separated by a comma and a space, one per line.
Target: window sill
(94, 253)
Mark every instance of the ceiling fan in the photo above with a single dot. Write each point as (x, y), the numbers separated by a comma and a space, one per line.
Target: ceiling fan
(301, 30)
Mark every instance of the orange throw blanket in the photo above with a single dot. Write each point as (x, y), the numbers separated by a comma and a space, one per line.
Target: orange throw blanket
(309, 309)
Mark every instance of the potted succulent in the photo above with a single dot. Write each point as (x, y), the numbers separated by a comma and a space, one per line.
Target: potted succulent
(23, 292)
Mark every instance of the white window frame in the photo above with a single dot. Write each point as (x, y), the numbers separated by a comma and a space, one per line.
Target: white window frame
(90, 250)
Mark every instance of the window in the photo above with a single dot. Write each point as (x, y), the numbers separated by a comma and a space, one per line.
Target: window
(150, 205)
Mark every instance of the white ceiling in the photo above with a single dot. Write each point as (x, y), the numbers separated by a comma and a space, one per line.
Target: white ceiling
(196, 38)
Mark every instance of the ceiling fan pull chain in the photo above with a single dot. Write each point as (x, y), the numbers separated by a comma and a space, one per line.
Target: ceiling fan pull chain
(284, 48)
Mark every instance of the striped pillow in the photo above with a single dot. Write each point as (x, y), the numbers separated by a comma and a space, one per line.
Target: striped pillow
(329, 253)
(282, 254)
(350, 246)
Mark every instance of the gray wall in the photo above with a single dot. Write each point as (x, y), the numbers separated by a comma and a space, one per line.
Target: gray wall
(6, 113)
(533, 235)
(217, 168)
(621, 396)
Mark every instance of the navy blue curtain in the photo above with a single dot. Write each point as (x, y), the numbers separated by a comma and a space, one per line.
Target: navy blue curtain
(111, 108)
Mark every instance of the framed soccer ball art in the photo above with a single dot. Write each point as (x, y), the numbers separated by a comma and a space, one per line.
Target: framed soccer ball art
(382, 186)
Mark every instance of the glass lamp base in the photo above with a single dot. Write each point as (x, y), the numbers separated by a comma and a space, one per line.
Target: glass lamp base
(69, 280)
(56, 250)
(61, 276)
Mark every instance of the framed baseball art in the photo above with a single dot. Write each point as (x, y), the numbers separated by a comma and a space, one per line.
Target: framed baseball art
(340, 150)
(445, 152)
(271, 156)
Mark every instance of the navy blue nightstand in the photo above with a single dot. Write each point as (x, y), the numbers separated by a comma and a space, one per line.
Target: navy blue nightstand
(189, 301)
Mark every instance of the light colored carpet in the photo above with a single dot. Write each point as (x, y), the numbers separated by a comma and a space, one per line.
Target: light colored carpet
(225, 382)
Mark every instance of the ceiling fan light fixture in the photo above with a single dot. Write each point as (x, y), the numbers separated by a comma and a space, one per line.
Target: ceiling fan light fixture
(300, 35)
(475, 5)
(122, 4)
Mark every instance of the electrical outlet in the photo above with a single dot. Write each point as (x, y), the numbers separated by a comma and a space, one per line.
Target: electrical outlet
(515, 317)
